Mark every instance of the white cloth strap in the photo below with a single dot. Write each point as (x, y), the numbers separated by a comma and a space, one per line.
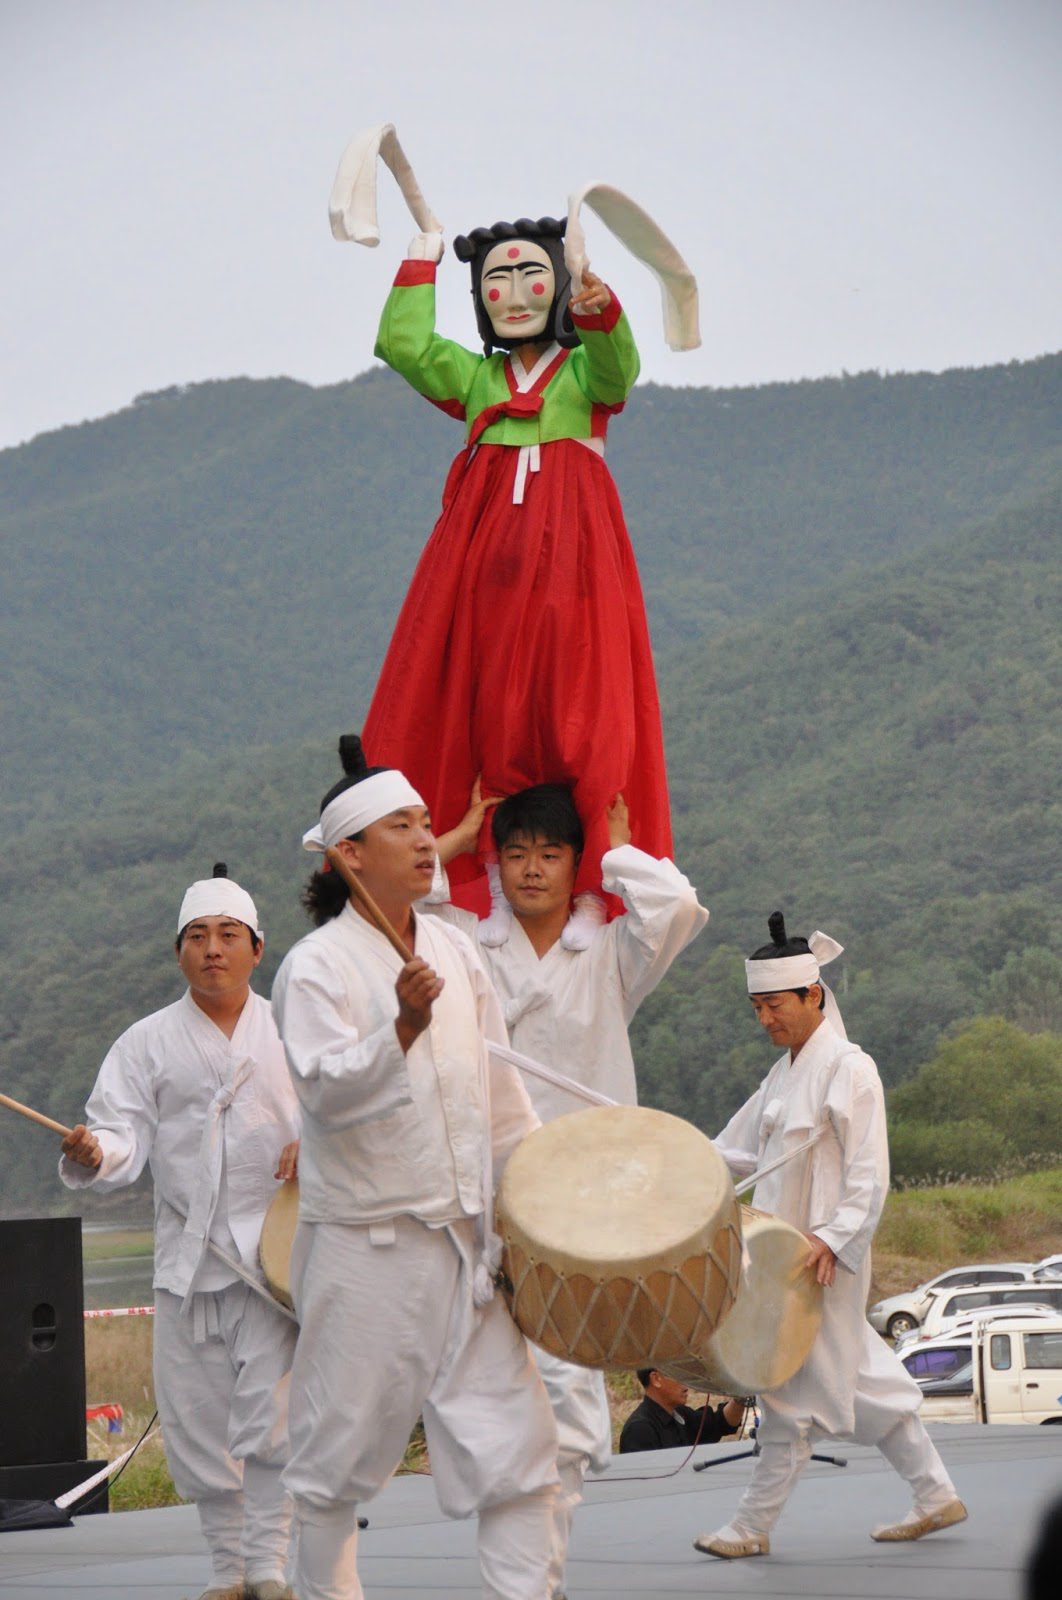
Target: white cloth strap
(547, 1074)
(650, 244)
(352, 204)
(772, 1166)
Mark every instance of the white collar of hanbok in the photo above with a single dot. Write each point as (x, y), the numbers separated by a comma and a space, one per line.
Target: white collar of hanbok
(525, 380)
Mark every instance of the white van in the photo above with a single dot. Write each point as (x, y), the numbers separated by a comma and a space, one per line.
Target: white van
(946, 1309)
(1017, 1372)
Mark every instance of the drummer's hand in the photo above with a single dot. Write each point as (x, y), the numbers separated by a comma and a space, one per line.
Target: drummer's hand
(417, 987)
(465, 836)
(594, 296)
(821, 1260)
(619, 823)
(83, 1147)
(288, 1162)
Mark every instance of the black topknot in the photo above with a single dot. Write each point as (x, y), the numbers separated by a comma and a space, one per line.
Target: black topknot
(352, 756)
(781, 944)
(220, 870)
(355, 766)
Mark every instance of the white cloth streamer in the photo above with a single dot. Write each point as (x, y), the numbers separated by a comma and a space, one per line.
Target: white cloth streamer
(646, 240)
(352, 204)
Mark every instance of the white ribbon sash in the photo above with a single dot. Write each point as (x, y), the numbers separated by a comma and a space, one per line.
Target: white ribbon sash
(352, 204)
(649, 244)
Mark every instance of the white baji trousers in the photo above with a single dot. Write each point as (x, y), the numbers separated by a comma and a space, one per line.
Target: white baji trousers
(221, 1386)
(785, 1452)
(388, 1332)
(584, 1432)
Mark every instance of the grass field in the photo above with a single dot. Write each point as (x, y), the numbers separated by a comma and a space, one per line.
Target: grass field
(922, 1232)
(113, 1244)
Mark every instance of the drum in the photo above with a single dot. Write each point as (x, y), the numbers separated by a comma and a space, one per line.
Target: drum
(274, 1245)
(621, 1235)
(776, 1316)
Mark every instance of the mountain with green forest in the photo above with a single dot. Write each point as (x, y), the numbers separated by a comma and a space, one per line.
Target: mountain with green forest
(854, 591)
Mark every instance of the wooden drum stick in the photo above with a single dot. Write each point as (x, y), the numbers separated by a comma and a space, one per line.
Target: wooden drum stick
(34, 1116)
(341, 865)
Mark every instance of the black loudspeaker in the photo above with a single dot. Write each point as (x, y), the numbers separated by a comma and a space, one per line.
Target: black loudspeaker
(42, 1343)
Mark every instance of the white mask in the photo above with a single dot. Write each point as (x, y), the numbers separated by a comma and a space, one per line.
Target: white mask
(518, 285)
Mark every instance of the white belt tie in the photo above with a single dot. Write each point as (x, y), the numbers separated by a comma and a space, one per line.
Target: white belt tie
(211, 1161)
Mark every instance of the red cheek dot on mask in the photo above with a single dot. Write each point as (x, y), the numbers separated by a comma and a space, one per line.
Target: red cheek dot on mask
(538, 288)
(493, 294)
(513, 252)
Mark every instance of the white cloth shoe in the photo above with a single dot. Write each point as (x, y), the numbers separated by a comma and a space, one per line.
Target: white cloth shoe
(588, 914)
(269, 1589)
(732, 1542)
(917, 1523)
(232, 1591)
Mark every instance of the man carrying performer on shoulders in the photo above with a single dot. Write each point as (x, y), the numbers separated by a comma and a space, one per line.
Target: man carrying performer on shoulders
(570, 1009)
(664, 1421)
(200, 1091)
(851, 1386)
(406, 1125)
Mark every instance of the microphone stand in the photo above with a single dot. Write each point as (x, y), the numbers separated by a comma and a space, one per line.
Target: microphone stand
(746, 1455)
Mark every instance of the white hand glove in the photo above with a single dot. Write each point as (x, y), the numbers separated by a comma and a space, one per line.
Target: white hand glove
(425, 247)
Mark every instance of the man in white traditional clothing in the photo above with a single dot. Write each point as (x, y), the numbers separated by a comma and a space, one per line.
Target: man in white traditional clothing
(851, 1386)
(406, 1125)
(570, 1008)
(200, 1090)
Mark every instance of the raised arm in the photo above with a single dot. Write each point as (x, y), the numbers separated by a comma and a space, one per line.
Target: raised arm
(439, 369)
(663, 912)
(607, 364)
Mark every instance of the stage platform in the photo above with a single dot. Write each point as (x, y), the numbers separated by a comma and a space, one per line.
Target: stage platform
(633, 1538)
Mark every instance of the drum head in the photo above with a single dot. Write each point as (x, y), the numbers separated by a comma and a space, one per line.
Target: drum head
(274, 1246)
(621, 1234)
(774, 1321)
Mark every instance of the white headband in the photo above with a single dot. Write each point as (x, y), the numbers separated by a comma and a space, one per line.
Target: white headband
(217, 897)
(363, 803)
(778, 973)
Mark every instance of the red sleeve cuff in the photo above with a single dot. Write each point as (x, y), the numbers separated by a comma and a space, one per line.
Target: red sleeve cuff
(600, 321)
(410, 273)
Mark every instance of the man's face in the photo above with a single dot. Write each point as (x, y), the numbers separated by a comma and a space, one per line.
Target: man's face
(789, 1018)
(217, 956)
(395, 857)
(518, 285)
(537, 875)
(669, 1392)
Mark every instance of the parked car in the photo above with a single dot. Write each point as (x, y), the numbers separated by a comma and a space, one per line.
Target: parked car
(1049, 1267)
(950, 1399)
(902, 1312)
(1017, 1372)
(947, 1309)
(936, 1359)
(1013, 1373)
(963, 1327)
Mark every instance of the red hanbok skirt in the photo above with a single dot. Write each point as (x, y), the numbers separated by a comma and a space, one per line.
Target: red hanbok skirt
(522, 653)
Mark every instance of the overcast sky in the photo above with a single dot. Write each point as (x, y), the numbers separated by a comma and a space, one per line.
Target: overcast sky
(856, 183)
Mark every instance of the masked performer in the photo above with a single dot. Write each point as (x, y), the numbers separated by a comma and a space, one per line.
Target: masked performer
(851, 1386)
(201, 1091)
(522, 650)
(406, 1125)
